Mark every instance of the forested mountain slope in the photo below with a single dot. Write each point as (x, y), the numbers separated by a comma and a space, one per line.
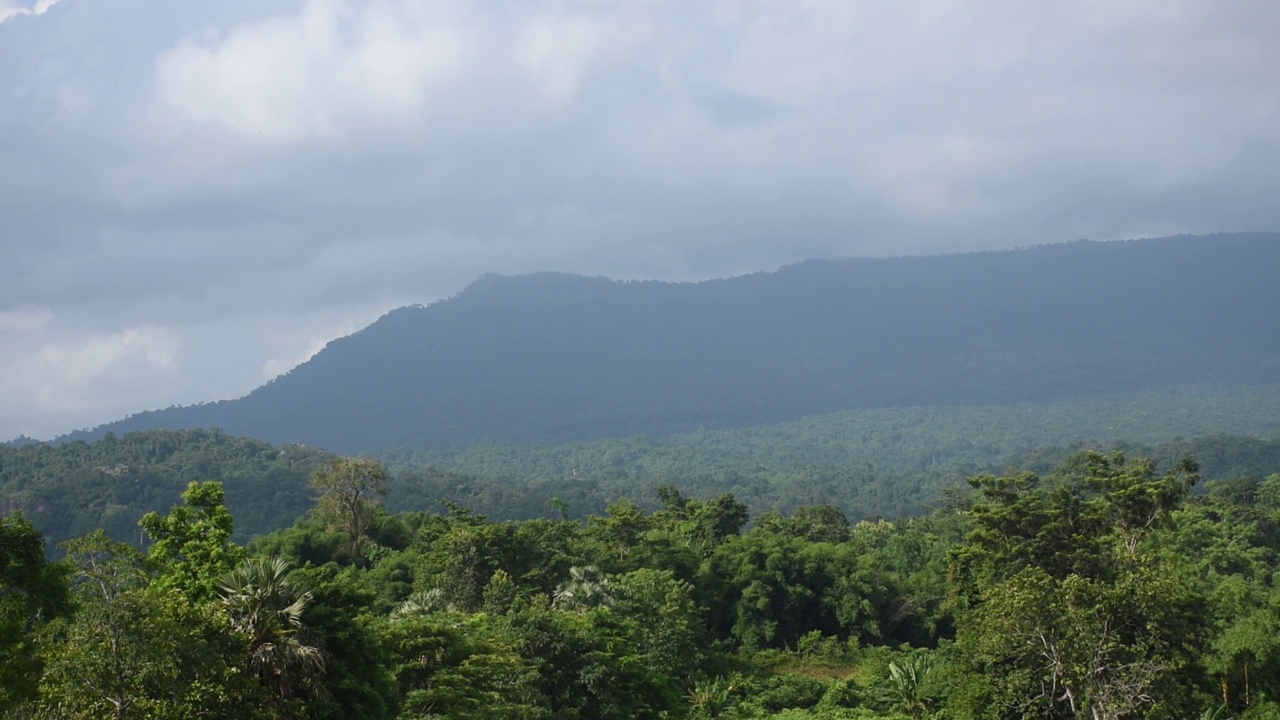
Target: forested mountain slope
(556, 358)
(902, 440)
(881, 467)
(73, 488)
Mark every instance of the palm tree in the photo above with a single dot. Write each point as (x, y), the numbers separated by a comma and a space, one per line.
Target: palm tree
(267, 609)
(423, 602)
(586, 587)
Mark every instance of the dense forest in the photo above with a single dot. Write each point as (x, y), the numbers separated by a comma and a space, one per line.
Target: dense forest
(889, 463)
(1103, 588)
(73, 488)
(951, 487)
(554, 358)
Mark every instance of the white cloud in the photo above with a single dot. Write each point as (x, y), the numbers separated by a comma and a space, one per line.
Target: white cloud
(296, 346)
(300, 77)
(558, 50)
(76, 375)
(245, 177)
(9, 9)
(62, 373)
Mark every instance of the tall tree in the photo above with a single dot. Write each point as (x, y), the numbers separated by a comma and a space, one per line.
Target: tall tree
(348, 489)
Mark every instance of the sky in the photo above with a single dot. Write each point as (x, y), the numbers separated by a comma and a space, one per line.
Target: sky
(196, 197)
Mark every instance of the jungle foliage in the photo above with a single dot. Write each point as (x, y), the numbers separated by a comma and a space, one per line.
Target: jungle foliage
(874, 464)
(1101, 588)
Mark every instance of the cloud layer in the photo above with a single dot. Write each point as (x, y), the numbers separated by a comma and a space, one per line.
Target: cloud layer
(194, 196)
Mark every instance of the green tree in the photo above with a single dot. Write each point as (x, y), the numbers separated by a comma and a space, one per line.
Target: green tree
(348, 489)
(1133, 500)
(619, 533)
(358, 682)
(453, 665)
(656, 612)
(1090, 648)
(588, 664)
(193, 542)
(816, 523)
(701, 524)
(266, 609)
(466, 567)
(1064, 610)
(33, 591)
(766, 589)
(586, 588)
(136, 651)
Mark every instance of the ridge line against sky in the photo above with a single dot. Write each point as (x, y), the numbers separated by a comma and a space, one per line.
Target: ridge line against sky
(195, 197)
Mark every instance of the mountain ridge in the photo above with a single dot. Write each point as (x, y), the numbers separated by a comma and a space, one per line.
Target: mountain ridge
(551, 357)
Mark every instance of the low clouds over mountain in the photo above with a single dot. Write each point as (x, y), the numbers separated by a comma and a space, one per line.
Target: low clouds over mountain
(195, 196)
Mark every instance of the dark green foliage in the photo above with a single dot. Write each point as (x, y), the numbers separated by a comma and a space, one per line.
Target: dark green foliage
(657, 614)
(460, 555)
(1102, 589)
(593, 664)
(777, 588)
(815, 523)
(357, 681)
(762, 469)
(788, 691)
(73, 488)
(32, 592)
(307, 542)
(266, 610)
(141, 655)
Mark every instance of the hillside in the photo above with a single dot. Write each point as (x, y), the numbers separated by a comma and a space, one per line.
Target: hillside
(71, 489)
(554, 358)
(892, 463)
(899, 440)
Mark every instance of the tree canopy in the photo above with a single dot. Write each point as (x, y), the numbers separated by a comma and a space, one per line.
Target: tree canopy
(1104, 588)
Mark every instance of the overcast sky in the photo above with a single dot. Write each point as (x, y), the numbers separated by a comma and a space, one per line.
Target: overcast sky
(196, 196)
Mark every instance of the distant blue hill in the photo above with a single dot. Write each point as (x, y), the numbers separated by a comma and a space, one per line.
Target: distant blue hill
(553, 358)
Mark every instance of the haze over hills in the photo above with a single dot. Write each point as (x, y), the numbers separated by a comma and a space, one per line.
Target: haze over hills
(555, 358)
